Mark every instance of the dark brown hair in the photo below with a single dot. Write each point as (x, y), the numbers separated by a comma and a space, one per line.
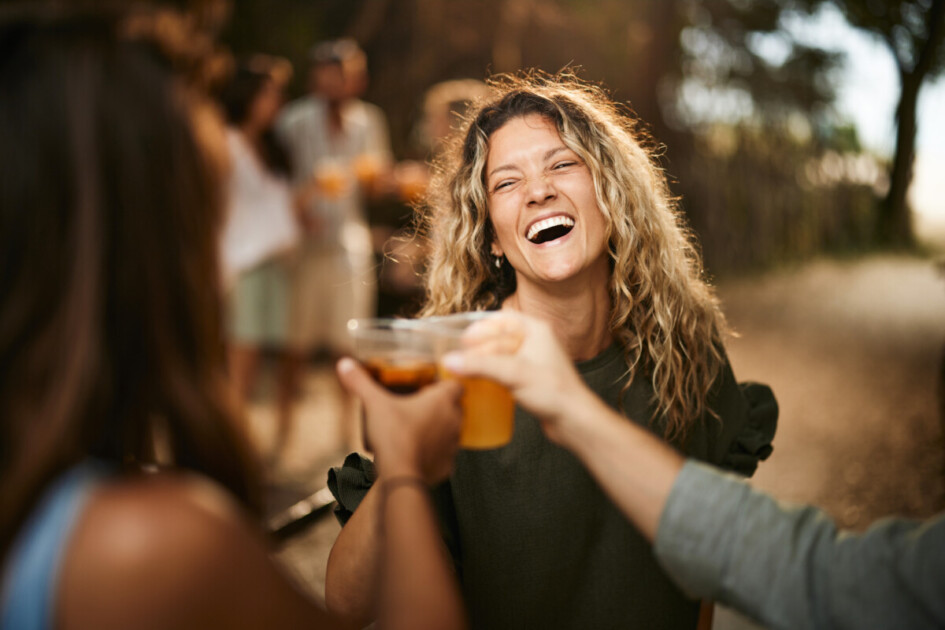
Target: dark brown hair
(110, 314)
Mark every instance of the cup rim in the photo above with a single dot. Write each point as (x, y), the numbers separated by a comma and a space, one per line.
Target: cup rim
(455, 324)
(379, 327)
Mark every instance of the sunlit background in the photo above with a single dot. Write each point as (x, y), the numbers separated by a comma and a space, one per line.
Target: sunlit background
(706, 77)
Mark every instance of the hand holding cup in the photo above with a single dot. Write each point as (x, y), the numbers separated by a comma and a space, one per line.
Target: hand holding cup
(412, 435)
(523, 354)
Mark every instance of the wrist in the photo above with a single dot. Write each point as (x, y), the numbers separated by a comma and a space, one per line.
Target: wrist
(583, 420)
(398, 466)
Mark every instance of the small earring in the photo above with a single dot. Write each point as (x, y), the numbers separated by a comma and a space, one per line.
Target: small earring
(498, 262)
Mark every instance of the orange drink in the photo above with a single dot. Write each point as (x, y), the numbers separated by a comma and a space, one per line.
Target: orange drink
(330, 179)
(367, 169)
(488, 414)
(396, 352)
(488, 407)
(401, 376)
(411, 179)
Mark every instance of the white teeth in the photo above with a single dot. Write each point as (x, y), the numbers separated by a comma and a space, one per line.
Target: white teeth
(550, 222)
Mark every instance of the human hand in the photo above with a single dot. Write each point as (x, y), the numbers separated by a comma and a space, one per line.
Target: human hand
(523, 354)
(413, 435)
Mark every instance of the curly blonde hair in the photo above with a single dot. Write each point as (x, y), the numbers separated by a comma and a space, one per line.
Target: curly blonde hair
(664, 314)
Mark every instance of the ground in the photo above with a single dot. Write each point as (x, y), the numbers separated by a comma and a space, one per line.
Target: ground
(853, 351)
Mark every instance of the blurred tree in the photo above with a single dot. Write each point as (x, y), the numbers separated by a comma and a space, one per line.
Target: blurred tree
(914, 32)
(287, 28)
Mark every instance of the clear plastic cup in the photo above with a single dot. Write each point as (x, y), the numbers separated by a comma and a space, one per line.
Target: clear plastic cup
(398, 353)
(488, 407)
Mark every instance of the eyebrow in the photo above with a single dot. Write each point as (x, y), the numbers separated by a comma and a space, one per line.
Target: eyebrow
(508, 167)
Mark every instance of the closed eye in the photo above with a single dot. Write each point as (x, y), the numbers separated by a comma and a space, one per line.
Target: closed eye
(503, 184)
(564, 164)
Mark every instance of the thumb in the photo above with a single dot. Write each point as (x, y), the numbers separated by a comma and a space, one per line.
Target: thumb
(357, 382)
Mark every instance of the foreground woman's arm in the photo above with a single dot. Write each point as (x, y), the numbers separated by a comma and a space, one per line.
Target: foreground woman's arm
(414, 447)
(353, 572)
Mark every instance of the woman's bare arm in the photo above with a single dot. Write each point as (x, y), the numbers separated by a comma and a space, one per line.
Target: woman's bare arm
(415, 439)
(353, 575)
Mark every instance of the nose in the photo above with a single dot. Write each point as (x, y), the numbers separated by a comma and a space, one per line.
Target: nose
(540, 190)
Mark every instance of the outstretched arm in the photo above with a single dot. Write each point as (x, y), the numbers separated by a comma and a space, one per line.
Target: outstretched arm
(634, 467)
(714, 535)
(792, 567)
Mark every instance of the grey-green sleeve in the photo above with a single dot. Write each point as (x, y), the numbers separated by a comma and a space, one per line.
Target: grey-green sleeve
(790, 567)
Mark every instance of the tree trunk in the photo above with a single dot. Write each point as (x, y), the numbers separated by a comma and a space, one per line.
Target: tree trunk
(661, 55)
(895, 218)
(895, 215)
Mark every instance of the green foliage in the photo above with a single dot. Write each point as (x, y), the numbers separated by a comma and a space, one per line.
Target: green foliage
(287, 28)
(914, 32)
(908, 27)
(742, 45)
(760, 197)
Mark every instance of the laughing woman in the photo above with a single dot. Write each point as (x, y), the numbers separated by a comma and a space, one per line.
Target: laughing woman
(550, 205)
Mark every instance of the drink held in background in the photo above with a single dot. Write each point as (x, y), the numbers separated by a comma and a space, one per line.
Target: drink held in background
(331, 179)
(488, 407)
(367, 170)
(411, 179)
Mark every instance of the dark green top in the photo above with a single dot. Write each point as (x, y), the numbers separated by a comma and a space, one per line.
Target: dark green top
(536, 542)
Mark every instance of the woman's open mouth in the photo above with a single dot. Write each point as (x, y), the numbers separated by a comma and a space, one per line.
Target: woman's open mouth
(549, 229)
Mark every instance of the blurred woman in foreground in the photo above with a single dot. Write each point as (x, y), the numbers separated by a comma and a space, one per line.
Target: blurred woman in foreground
(549, 204)
(128, 494)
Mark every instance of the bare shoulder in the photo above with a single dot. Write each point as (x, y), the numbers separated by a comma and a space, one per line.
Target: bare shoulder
(168, 551)
(160, 521)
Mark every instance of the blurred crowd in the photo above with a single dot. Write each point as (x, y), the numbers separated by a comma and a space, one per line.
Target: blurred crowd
(318, 229)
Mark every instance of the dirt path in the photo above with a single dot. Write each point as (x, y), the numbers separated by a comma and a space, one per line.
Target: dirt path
(852, 351)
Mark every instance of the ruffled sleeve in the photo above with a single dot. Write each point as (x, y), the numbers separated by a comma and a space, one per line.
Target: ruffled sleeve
(349, 483)
(753, 442)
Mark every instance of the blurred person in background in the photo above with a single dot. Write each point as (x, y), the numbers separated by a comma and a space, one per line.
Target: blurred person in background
(259, 230)
(445, 107)
(549, 204)
(400, 279)
(788, 567)
(129, 497)
(339, 146)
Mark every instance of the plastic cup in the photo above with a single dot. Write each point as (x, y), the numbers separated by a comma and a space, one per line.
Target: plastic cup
(331, 179)
(488, 407)
(398, 353)
(367, 168)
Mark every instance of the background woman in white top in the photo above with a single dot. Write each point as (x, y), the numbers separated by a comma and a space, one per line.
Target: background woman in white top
(260, 228)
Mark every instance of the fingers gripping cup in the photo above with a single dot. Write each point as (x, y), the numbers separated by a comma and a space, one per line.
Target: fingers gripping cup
(488, 407)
